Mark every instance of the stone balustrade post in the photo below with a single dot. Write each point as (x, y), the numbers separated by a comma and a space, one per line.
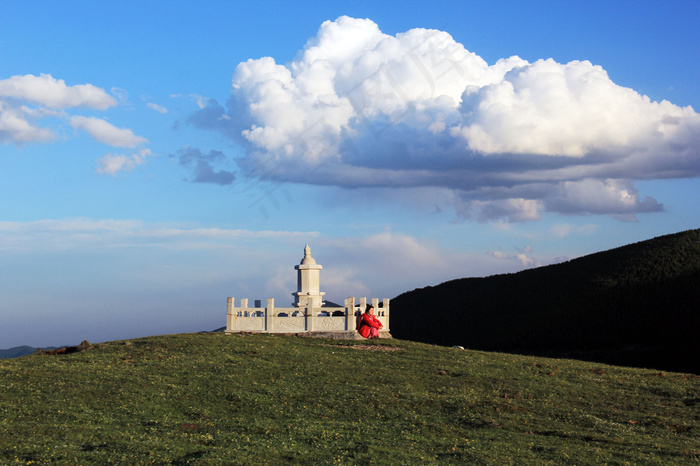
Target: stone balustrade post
(244, 308)
(350, 319)
(229, 314)
(309, 311)
(386, 312)
(270, 315)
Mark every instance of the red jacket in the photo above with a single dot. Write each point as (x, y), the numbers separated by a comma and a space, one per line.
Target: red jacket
(367, 321)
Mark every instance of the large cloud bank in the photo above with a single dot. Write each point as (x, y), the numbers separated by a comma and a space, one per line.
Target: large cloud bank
(359, 108)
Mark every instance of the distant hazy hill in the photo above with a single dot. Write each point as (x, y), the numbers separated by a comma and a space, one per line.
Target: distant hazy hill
(634, 305)
(18, 351)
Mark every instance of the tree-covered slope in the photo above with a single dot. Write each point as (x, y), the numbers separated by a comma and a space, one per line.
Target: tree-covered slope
(634, 305)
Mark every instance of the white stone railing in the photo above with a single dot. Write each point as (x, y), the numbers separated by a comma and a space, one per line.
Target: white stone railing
(271, 319)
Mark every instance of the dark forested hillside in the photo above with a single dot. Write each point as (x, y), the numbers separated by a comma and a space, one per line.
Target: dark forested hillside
(635, 305)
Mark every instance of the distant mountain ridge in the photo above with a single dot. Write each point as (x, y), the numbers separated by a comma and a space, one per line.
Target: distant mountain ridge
(16, 352)
(633, 305)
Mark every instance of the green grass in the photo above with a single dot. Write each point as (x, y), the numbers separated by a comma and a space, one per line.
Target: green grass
(265, 399)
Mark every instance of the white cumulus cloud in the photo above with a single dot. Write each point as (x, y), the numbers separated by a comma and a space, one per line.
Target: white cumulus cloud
(511, 139)
(106, 133)
(111, 164)
(25, 100)
(54, 93)
(521, 256)
(15, 125)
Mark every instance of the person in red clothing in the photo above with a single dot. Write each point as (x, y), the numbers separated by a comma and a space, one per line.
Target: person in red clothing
(369, 325)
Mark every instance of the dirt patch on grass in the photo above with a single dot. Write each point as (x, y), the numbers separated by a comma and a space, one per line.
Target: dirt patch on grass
(84, 346)
(370, 347)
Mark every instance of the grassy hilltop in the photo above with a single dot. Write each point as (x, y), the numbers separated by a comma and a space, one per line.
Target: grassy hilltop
(266, 399)
(635, 305)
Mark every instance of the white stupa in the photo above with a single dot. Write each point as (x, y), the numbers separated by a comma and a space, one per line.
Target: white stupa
(308, 282)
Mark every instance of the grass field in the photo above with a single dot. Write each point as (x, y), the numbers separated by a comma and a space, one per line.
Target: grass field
(265, 399)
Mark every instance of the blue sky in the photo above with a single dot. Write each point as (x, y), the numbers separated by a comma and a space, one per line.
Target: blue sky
(157, 157)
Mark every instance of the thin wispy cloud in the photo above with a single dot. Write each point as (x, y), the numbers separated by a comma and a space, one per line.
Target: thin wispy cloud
(157, 108)
(562, 230)
(87, 233)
